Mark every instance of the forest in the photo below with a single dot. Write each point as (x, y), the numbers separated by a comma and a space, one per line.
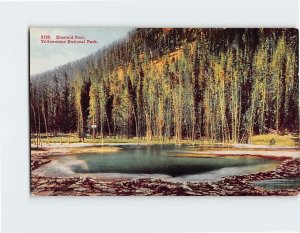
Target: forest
(162, 84)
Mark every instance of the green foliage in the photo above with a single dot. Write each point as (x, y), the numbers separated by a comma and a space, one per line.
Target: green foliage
(217, 85)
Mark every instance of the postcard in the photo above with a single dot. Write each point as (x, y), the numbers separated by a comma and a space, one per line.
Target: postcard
(164, 111)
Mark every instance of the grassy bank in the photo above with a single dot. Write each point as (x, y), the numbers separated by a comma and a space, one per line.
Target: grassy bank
(275, 140)
(265, 139)
(71, 138)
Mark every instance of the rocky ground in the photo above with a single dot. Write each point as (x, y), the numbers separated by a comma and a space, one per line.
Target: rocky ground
(239, 185)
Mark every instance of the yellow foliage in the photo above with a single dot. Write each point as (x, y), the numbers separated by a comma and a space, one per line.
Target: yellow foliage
(280, 140)
(157, 65)
(121, 74)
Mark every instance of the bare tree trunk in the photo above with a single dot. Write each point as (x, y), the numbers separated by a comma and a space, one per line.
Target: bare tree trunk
(34, 119)
(45, 122)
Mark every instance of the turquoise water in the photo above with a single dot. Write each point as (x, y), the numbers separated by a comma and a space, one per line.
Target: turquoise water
(164, 160)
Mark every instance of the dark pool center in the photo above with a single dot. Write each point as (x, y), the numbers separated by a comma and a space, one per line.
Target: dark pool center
(165, 161)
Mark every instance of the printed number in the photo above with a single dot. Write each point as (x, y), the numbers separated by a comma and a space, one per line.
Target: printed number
(45, 37)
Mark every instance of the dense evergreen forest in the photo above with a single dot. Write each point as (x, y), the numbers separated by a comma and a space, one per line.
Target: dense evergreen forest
(221, 85)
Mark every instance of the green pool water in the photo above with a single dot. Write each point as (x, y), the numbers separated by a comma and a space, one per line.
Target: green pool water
(163, 160)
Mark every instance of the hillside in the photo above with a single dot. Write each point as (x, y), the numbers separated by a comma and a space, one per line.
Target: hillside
(221, 85)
